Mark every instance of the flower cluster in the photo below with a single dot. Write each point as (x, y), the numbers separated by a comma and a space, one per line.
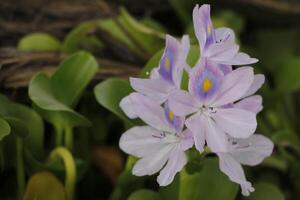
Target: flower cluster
(218, 110)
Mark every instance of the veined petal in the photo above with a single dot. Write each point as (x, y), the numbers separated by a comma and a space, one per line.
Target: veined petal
(149, 111)
(177, 160)
(252, 103)
(225, 35)
(183, 103)
(216, 139)
(253, 150)
(205, 81)
(257, 83)
(175, 121)
(187, 140)
(140, 141)
(234, 86)
(156, 89)
(229, 166)
(153, 163)
(225, 68)
(203, 26)
(236, 122)
(197, 125)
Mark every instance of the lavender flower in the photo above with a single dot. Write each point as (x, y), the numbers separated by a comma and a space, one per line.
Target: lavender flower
(163, 141)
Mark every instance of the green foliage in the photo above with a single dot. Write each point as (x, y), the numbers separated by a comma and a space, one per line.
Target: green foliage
(4, 128)
(39, 42)
(265, 191)
(144, 194)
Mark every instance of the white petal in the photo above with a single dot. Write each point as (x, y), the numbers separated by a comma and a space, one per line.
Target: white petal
(176, 162)
(139, 141)
(235, 172)
(252, 103)
(258, 81)
(153, 163)
(196, 124)
(148, 110)
(182, 103)
(253, 150)
(156, 89)
(234, 86)
(236, 122)
(216, 139)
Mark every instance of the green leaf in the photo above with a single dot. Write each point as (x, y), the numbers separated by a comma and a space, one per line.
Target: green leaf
(4, 128)
(24, 122)
(145, 195)
(39, 42)
(286, 136)
(80, 36)
(209, 184)
(109, 94)
(46, 186)
(265, 191)
(287, 78)
(54, 97)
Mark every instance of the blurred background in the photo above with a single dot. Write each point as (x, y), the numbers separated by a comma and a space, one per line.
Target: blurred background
(37, 35)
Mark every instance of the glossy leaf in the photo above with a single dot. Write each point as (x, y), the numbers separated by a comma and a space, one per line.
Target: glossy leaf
(145, 195)
(4, 128)
(109, 94)
(209, 184)
(39, 42)
(46, 186)
(265, 191)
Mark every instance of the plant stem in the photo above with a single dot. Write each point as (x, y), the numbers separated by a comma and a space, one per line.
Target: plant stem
(70, 168)
(20, 168)
(69, 137)
(59, 135)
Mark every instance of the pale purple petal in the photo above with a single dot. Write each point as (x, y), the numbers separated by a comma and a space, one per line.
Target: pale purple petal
(154, 73)
(197, 125)
(140, 141)
(225, 35)
(187, 140)
(205, 81)
(216, 139)
(252, 103)
(203, 27)
(127, 105)
(177, 160)
(154, 162)
(236, 122)
(241, 59)
(175, 121)
(185, 45)
(149, 111)
(183, 103)
(225, 68)
(234, 86)
(154, 88)
(257, 83)
(253, 150)
(233, 169)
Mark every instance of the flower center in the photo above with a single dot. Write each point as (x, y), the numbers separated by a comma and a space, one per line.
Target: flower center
(171, 115)
(206, 85)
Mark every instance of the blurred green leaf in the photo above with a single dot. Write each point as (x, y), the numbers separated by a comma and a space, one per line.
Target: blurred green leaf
(24, 122)
(39, 42)
(265, 191)
(81, 36)
(287, 78)
(55, 96)
(4, 128)
(109, 94)
(209, 184)
(145, 195)
(286, 136)
(46, 186)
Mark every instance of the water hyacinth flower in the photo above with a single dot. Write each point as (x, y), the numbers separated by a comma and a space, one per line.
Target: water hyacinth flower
(210, 93)
(159, 145)
(167, 76)
(250, 151)
(217, 45)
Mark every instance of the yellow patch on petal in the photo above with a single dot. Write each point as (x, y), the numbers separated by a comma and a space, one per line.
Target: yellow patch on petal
(167, 63)
(171, 116)
(206, 85)
(208, 30)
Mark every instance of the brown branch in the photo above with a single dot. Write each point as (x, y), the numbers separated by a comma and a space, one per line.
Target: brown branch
(17, 68)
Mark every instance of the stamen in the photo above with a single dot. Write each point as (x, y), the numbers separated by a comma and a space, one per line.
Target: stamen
(206, 85)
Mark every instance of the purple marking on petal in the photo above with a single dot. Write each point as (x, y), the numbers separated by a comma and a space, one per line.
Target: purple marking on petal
(209, 29)
(225, 68)
(173, 120)
(168, 60)
(206, 81)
